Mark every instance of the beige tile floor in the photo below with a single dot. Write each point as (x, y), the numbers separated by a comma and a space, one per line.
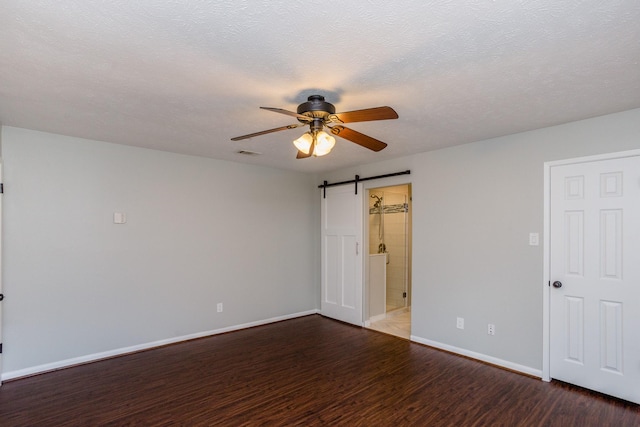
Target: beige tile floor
(397, 322)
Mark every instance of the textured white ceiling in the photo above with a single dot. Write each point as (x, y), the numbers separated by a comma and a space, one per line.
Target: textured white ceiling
(186, 76)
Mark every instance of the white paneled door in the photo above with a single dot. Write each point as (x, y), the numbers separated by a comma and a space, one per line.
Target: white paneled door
(595, 275)
(342, 256)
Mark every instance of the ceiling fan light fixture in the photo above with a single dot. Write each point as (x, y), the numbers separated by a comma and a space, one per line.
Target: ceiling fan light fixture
(303, 143)
(324, 143)
(318, 115)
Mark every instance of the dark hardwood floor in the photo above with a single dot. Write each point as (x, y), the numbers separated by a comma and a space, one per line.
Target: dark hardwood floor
(306, 371)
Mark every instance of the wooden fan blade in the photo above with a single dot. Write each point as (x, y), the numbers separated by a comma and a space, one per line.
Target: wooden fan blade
(288, 113)
(357, 137)
(251, 135)
(301, 155)
(369, 114)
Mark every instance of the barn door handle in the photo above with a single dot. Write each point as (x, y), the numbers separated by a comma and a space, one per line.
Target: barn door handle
(557, 284)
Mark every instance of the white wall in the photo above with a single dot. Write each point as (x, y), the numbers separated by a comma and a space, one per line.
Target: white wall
(198, 232)
(203, 231)
(474, 206)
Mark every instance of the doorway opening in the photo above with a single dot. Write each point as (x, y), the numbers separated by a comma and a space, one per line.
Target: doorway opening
(389, 260)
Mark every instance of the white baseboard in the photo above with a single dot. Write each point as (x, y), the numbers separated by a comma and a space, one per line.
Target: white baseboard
(479, 356)
(33, 370)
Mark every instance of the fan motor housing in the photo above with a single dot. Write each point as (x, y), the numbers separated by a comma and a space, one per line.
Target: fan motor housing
(316, 106)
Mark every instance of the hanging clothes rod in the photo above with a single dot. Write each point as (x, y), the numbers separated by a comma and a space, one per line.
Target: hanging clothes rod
(357, 179)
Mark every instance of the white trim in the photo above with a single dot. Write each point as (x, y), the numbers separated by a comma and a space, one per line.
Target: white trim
(595, 158)
(140, 347)
(546, 294)
(479, 356)
(546, 251)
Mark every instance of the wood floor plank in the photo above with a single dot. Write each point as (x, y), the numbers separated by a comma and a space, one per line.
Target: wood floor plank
(306, 371)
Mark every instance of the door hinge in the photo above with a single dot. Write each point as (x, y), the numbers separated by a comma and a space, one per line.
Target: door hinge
(1, 188)
(0, 348)
(404, 295)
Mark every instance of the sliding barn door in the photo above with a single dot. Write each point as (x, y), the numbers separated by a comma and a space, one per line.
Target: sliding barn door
(342, 256)
(595, 276)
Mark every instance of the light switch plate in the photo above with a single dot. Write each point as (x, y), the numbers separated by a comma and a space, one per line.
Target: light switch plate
(119, 218)
(534, 239)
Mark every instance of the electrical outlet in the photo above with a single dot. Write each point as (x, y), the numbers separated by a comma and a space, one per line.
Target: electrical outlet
(219, 308)
(460, 323)
(491, 329)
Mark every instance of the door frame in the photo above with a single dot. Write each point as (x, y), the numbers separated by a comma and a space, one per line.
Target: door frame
(546, 279)
(366, 186)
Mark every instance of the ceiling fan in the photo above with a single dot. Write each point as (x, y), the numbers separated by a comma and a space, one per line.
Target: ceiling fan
(318, 114)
